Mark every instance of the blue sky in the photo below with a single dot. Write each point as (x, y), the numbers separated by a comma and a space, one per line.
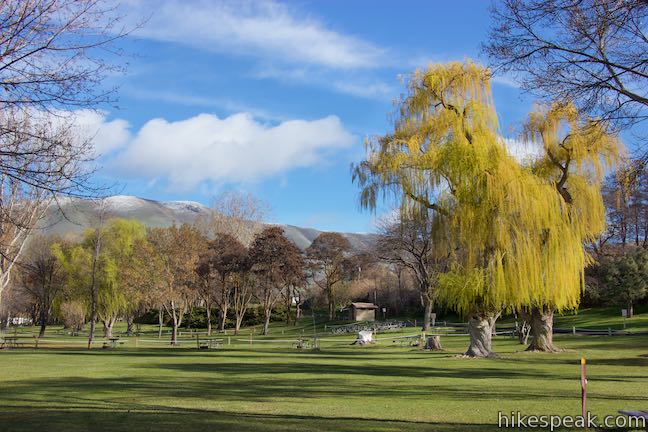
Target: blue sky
(274, 98)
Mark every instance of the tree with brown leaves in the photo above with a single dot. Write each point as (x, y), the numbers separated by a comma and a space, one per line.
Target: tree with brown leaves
(277, 263)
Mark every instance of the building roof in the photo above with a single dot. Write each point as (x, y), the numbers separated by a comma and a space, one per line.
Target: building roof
(364, 305)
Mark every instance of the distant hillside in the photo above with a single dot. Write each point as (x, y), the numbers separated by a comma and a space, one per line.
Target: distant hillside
(75, 215)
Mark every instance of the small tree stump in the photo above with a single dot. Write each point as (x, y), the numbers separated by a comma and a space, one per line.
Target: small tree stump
(433, 343)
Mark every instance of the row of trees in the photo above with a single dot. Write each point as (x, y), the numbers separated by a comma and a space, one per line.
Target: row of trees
(227, 261)
(121, 270)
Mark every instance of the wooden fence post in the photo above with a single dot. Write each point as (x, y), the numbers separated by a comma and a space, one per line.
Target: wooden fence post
(584, 387)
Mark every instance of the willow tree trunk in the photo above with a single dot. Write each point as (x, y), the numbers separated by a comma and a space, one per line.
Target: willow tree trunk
(480, 328)
(108, 327)
(542, 330)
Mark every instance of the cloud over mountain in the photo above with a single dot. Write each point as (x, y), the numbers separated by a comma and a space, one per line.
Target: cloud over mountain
(234, 149)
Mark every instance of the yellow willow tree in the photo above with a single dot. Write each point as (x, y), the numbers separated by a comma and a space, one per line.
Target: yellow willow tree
(576, 152)
(510, 242)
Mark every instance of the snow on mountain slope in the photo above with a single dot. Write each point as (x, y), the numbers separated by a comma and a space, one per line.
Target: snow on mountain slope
(76, 215)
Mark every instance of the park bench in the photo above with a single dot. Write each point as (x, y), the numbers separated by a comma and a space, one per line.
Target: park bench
(638, 414)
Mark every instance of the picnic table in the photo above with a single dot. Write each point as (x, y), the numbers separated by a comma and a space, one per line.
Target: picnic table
(112, 342)
(209, 343)
(302, 343)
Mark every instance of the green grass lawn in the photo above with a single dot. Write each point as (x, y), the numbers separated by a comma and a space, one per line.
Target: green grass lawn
(271, 386)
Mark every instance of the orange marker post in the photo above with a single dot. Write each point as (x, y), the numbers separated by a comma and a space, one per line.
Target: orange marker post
(584, 386)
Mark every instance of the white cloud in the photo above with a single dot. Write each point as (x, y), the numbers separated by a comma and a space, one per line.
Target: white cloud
(234, 149)
(259, 28)
(106, 136)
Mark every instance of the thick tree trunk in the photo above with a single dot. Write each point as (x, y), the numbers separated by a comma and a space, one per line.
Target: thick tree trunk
(542, 330)
(108, 327)
(44, 317)
(160, 322)
(480, 328)
(331, 307)
(426, 314)
(630, 310)
(288, 309)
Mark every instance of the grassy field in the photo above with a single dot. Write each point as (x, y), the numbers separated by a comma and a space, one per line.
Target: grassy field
(272, 386)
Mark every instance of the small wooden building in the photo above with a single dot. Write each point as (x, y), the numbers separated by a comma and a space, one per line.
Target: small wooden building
(362, 312)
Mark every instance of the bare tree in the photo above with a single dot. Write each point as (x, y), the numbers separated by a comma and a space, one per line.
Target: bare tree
(41, 277)
(238, 214)
(625, 193)
(224, 258)
(242, 295)
(417, 244)
(38, 161)
(177, 249)
(329, 264)
(54, 55)
(593, 52)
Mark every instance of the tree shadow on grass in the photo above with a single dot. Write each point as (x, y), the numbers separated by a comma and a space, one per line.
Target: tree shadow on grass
(72, 419)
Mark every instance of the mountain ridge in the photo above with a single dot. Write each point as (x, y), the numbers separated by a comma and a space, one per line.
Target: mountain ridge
(74, 215)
